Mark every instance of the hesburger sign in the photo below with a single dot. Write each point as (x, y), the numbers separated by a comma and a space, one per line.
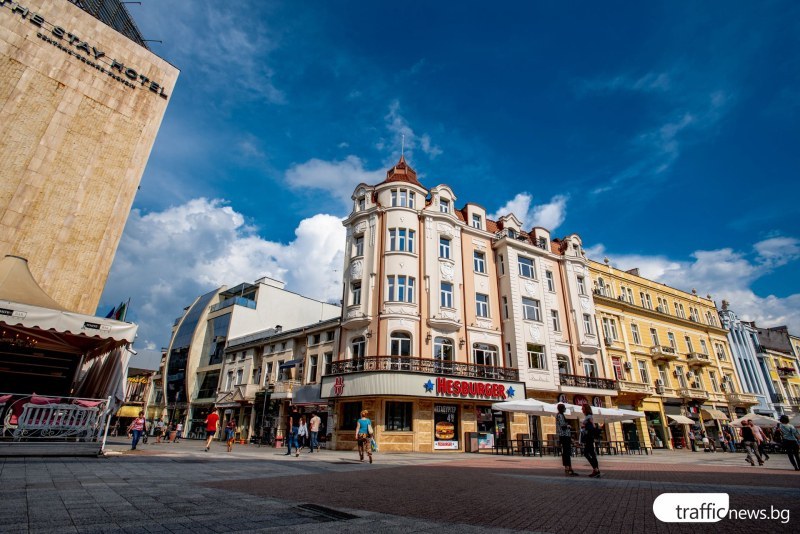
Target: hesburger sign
(467, 388)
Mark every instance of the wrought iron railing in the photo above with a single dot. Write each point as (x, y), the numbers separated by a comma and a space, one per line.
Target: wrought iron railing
(35, 417)
(579, 381)
(422, 365)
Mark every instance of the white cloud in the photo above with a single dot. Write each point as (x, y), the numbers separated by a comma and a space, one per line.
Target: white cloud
(550, 215)
(166, 259)
(339, 178)
(399, 127)
(725, 274)
(231, 51)
(650, 82)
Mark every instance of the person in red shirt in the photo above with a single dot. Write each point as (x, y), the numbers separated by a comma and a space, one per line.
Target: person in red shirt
(212, 421)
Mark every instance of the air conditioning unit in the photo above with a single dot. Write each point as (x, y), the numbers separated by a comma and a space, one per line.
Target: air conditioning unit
(724, 386)
(621, 297)
(660, 309)
(659, 383)
(609, 342)
(690, 375)
(628, 366)
(660, 390)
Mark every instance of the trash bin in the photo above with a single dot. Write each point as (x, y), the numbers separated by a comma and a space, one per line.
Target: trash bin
(471, 442)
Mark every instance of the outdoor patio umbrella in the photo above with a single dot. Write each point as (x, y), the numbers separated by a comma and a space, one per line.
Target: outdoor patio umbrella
(758, 420)
(603, 415)
(529, 406)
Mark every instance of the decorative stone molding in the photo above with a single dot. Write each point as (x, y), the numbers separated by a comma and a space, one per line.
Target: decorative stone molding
(360, 228)
(529, 287)
(536, 333)
(585, 303)
(447, 271)
(446, 229)
(483, 323)
(356, 269)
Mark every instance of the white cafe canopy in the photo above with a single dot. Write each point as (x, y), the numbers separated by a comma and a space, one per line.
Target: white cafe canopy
(757, 419)
(529, 406)
(603, 415)
(28, 313)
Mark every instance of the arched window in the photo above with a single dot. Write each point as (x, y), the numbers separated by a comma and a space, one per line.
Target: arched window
(563, 364)
(358, 348)
(400, 345)
(443, 351)
(590, 368)
(485, 355)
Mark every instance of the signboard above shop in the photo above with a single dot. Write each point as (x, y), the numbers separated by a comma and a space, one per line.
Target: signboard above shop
(418, 385)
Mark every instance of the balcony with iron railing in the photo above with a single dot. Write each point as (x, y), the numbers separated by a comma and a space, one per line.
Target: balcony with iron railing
(423, 365)
(663, 353)
(777, 398)
(786, 372)
(698, 359)
(590, 382)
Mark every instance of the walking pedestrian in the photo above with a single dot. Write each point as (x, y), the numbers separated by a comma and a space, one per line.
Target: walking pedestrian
(158, 430)
(761, 440)
(749, 442)
(115, 429)
(178, 432)
(364, 435)
(292, 428)
(313, 427)
(590, 430)
(790, 440)
(230, 433)
(302, 432)
(212, 421)
(731, 439)
(565, 438)
(137, 428)
(691, 440)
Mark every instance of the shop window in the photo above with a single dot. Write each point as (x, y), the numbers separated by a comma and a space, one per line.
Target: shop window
(399, 416)
(351, 413)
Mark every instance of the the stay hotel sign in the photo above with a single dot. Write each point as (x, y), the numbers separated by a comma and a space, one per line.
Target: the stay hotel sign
(84, 51)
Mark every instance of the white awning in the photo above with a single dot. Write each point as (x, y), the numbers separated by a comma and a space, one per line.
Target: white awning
(681, 419)
(712, 413)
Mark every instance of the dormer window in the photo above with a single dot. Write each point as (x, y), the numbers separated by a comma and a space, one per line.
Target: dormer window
(477, 222)
(512, 233)
(361, 203)
(444, 205)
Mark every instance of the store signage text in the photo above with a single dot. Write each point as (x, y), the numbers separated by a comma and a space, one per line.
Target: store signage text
(463, 388)
(70, 43)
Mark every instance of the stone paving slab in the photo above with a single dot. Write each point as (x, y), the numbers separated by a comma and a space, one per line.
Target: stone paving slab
(182, 488)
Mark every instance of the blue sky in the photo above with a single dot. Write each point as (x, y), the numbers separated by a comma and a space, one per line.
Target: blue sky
(664, 133)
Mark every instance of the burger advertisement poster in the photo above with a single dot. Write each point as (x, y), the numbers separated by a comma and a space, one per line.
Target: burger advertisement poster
(445, 426)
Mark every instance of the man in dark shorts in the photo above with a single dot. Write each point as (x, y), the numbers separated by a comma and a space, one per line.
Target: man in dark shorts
(211, 427)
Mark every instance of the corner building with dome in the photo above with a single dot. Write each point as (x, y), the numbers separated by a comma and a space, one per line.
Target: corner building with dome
(446, 312)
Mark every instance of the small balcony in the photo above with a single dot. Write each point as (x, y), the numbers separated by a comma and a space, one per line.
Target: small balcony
(693, 393)
(786, 372)
(422, 365)
(589, 382)
(634, 388)
(698, 359)
(741, 399)
(283, 388)
(777, 398)
(355, 318)
(663, 353)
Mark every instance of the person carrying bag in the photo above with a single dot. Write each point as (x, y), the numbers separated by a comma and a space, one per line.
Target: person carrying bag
(364, 436)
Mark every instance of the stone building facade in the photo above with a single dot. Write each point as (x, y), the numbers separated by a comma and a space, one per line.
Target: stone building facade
(80, 107)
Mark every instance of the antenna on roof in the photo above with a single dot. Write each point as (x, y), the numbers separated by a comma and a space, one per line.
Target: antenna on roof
(403, 146)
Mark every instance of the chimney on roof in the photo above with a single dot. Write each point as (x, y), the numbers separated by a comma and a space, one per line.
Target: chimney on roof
(278, 329)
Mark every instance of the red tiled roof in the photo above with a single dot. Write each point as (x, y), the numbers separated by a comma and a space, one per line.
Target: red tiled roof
(402, 172)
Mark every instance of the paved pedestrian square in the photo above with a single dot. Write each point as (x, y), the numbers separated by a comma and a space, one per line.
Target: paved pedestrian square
(182, 488)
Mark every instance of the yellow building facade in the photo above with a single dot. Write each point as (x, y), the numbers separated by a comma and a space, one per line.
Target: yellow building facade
(779, 351)
(670, 356)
